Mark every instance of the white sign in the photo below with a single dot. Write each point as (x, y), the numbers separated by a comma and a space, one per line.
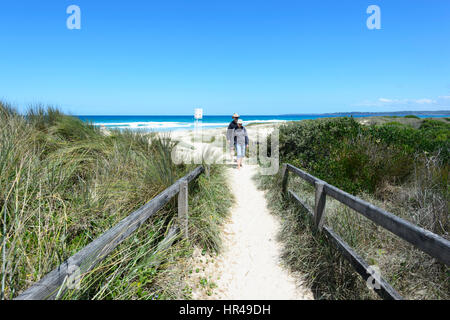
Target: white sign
(198, 114)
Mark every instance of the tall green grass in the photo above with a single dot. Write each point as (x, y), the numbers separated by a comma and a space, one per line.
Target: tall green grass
(397, 167)
(64, 182)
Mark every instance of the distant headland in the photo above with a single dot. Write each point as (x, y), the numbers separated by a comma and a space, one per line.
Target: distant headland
(383, 113)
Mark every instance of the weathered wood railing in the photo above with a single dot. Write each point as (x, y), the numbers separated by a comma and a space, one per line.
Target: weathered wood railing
(55, 282)
(428, 242)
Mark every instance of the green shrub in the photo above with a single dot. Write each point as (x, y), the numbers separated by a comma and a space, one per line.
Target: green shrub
(397, 167)
(360, 158)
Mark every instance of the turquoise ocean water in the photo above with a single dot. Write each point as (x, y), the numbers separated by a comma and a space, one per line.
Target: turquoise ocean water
(171, 123)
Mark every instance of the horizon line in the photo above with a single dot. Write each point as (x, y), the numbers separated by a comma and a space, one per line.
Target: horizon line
(265, 115)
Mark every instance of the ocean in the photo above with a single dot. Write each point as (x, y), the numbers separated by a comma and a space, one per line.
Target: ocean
(172, 123)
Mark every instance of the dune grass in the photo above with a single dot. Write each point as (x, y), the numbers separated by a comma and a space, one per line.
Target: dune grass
(398, 168)
(64, 182)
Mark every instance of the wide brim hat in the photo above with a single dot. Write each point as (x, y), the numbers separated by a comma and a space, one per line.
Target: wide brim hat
(235, 115)
(240, 121)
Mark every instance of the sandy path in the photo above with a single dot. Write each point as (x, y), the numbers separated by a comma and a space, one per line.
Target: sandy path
(249, 267)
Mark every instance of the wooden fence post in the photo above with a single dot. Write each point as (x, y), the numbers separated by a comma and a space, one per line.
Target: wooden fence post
(183, 209)
(319, 206)
(284, 177)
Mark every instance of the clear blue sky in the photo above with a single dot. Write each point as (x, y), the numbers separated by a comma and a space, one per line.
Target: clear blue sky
(253, 57)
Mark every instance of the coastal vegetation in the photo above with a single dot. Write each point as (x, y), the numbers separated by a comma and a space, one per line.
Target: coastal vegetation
(398, 164)
(64, 182)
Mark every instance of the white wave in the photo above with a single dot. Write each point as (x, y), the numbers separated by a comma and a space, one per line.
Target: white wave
(166, 125)
(145, 125)
(264, 121)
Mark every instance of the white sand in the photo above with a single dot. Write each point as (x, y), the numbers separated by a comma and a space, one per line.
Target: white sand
(249, 267)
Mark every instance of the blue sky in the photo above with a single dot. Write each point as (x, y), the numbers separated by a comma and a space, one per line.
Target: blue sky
(254, 57)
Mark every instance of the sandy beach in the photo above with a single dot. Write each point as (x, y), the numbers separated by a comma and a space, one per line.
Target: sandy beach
(188, 135)
(249, 266)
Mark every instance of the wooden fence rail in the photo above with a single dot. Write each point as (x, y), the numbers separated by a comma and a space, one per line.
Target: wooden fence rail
(426, 241)
(55, 282)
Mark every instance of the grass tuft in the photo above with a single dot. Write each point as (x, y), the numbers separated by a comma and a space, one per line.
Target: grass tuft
(64, 182)
(399, 168)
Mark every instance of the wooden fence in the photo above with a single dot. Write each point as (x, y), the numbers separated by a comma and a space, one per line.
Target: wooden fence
(55, 282)
(426, 241)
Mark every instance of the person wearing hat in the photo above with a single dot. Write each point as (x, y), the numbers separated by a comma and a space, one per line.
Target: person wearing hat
(240, 139)
(233, 125)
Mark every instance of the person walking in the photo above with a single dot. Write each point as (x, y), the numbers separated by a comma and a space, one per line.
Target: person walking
(240, 138)
(233, 125)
